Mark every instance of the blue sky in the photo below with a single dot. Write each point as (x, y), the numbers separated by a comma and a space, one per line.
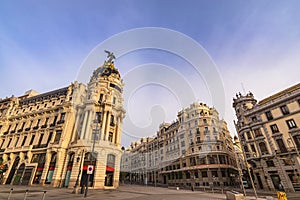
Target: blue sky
(44, 43)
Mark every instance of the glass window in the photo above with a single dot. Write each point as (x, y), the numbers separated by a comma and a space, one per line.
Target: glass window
(291, 123)
(269, 115)
(274, 128)
(285, 110)
(281, 145)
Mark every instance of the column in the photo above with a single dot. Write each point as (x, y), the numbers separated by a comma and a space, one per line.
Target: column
(75, 133)
(107, 126)
(83, 125)
(89, 124)
(103, 125)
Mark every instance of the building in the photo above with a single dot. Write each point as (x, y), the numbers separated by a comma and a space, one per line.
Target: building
(196, 150)
(269, 133)
(52, 138)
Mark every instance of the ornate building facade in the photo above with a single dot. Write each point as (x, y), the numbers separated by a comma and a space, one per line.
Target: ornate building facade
(196, 150)
(52, 138)
(270, 136)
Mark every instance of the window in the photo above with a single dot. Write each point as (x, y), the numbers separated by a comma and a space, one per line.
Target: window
(101, 98)
(254, 119)
(114, 100)
(57, 137)
(214, 173)
(24, 140)
(112, 118)
(299, 102)
(249, 135)
(281, 145)
(17, 140)
(274, 128)
(285, 110)
(98, 117)
(270, 163)
(204, 121)
(54, 121)
(62, 116)
(9, 142)
(110, 136)
(269, 115)
(297, 140)
(32, 139)
(291, 123)
(253, 148)
(49, 138)
(257, 132)
(196, 175)
(206, 129)
(204, 174)
(41, 139)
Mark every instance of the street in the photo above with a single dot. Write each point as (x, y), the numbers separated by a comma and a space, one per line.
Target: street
(124, 192)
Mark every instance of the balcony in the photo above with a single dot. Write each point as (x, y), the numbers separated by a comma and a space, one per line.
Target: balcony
(20, 130)
(2, 150)
(27, 129)
(5, 133)
(39, 146)
(35, 128)
(13, 131)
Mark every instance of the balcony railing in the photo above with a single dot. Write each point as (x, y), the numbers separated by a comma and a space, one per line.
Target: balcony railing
(38, 146)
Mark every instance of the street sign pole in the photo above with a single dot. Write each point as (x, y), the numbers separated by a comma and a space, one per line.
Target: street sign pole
(89, 171)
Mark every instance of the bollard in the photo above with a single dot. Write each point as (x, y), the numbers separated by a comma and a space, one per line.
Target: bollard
(10, 193)
(44, 194)
(25, 195)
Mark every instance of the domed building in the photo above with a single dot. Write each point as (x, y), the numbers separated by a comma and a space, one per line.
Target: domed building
(67, 137)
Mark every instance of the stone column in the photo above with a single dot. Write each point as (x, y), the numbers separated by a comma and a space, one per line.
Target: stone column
(89, 123)
(83, 125)
(107, 127)
(103, 125)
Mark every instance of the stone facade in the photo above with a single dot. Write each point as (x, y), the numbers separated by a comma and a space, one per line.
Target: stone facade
(52, 138)
(196, 150)
(270, 137)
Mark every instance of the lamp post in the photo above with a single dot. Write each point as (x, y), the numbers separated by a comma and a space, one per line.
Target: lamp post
(92, 161)
(250, 176)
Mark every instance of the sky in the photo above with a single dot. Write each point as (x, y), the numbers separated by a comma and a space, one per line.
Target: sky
(251, 45)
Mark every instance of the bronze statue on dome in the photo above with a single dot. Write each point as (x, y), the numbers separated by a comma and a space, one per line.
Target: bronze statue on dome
(110, 56)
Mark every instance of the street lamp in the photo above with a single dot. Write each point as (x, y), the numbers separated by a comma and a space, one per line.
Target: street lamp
(92, 161)
(250, 176)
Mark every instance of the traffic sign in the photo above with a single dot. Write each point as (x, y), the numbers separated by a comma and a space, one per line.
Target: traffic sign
(90, 169)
